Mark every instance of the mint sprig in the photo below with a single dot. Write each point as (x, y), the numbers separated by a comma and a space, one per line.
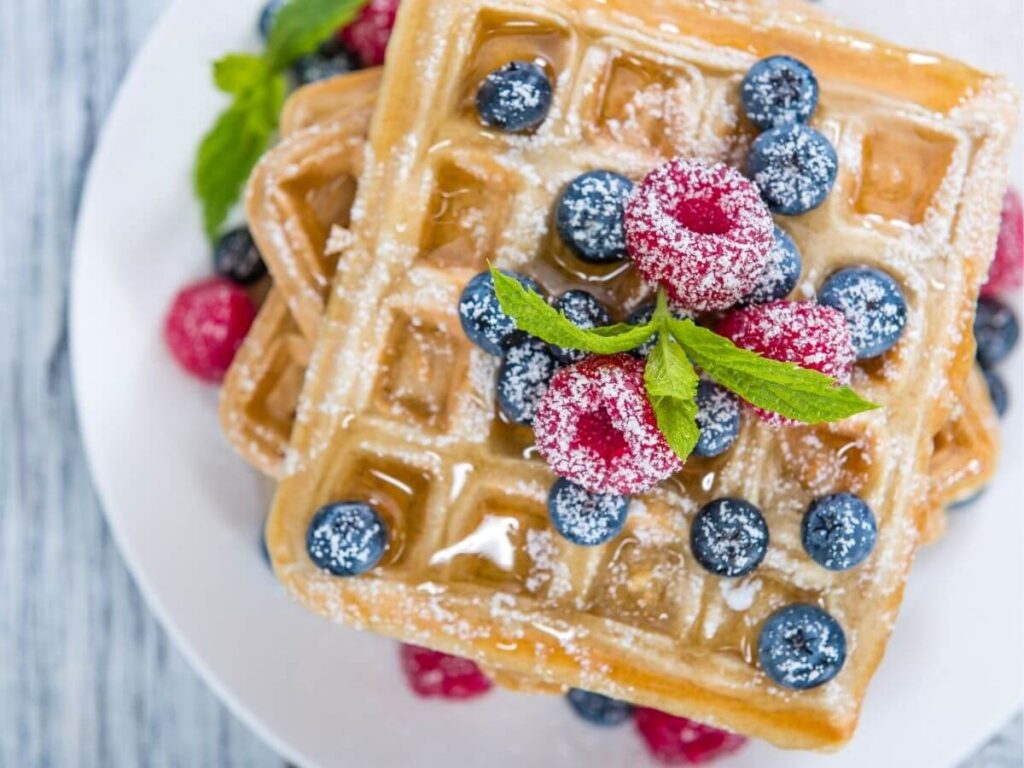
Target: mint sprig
(257, 84)
(671, 381)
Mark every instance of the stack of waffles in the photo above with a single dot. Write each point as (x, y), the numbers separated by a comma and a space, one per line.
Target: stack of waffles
(388, 194)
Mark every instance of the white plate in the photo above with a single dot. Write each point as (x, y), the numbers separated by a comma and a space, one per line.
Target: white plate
(187, 513)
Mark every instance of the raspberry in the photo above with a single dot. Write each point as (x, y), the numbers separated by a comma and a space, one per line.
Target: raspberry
(1007, 271)
(678, 741)
(207, 324)
(595, 426)
(701, 231)
(810, 335)
(432, 674)
(368, 34)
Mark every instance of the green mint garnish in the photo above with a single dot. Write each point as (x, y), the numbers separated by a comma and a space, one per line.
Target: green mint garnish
(257, 85)
(796, 393)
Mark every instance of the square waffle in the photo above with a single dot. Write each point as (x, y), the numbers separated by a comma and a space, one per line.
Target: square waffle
(473, 566)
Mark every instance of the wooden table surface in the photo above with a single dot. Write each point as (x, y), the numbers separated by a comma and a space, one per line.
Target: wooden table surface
(87, 676)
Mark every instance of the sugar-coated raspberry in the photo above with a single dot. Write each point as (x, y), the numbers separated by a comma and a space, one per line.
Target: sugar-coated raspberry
(206, 325)
(677, 741)
(368, 34)
(1007, 271)
(595, 426)
(433, 674)
(810, 335)
(701, 231)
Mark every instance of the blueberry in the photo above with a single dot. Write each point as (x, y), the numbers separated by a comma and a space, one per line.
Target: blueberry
(795, 168)
(586, 518)
(729, 537)
(997, 391)
(237, 258)
(873, 304)
(801, 646)
(996, 331)
(330, 60)
(515, 98)
(591, 216)
(268, 16)
(718, 416)
(346, 538)
(523, 378)
(482, 318)
(641, 316)
(583, 310)
(598, 709)
(779, 90)
(838, 531)
(781, 273)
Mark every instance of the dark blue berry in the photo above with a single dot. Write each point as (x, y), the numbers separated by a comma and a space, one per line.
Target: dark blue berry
(996, 331)
(268, 16)
(873, 305)
(641, 316)
(586, 518)
(237, 258)
(801, 646)
(523, 378)
(584, 311)
(997, 392)
(779, 90)
(481, 315)
(591, 214)
(598, 709)
(839, 531)
(729, 537)
(718, 416)
(795, 168)
(515, 98)
(781, 273)
(330, 60)
(346, 538)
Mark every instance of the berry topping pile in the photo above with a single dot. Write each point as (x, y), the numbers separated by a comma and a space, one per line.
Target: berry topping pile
(780, 274)
(839, 531)
(718, 416)
(482, 318)
(346, 538)
(729, 537)
(523, 378)
(237, 258)
(590, 216)
(515, 98)
(1007, 270)
(583, 311)
(996, 331)
(677, 741)
(873, 305)
(585, 518)
(598, 709)
(795, 168)
(206, 325)
(432, 674)
(700, 231)
(801, 646)
(367, 36)
(595, 426)
(810, 335)
(779, 90)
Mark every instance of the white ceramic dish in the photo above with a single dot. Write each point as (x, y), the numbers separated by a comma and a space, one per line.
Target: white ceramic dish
(187, 513)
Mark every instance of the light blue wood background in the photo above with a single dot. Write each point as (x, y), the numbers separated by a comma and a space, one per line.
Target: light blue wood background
(87, 677)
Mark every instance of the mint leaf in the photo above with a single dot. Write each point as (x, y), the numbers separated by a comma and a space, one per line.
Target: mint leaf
(784, 388)
(237, 73)
(301, 25)
(672, 389)
(538, 318)
(231, 149)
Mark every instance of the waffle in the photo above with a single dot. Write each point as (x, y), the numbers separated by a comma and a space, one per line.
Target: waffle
(415, 432)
